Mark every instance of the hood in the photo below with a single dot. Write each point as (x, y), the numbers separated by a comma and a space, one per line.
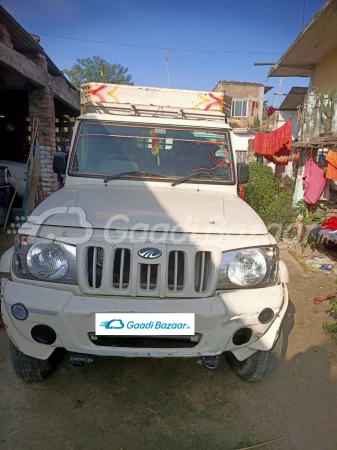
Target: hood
(123, 207)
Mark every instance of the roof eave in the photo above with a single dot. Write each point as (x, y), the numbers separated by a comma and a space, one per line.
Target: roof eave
(297, 70)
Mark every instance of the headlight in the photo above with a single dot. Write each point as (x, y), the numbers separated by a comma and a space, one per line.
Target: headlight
(43, 259)
(249, 267)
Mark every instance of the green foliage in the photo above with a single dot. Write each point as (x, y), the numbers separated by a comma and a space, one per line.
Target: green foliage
(256, 123)
(89, 69)
(331, 328)
(271, 201)
(302, 210)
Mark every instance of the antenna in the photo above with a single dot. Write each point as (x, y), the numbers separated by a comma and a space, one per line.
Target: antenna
(167, 68)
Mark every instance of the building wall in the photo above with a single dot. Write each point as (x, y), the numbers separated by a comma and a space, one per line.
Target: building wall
(240, 140)
(324, 78)
(244, 91)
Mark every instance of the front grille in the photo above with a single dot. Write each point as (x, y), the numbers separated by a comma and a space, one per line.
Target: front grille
(181, 271)
(148, 276)
(95, 256)
(202, 271)
(121, 268)
(176, 271)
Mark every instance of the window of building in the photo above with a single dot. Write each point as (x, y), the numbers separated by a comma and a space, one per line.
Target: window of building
(239, 108)
(241, 156)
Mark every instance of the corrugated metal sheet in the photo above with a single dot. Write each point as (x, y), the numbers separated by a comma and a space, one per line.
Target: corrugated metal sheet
(294, 99)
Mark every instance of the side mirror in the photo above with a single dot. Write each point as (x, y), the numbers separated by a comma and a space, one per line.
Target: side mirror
(243, 173)
(60, 162)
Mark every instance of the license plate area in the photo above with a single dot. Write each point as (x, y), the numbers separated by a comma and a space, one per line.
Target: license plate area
(144, 324)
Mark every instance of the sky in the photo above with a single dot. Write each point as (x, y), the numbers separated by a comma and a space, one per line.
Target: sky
(223, 37)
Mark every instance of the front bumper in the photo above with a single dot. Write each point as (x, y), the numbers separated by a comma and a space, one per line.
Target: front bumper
(72, 317)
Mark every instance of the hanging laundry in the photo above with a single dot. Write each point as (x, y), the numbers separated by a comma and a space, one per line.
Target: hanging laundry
(275, 141)
(284, 157)
(313, 181)
(271, 111)
(331, 172)
(299, 190)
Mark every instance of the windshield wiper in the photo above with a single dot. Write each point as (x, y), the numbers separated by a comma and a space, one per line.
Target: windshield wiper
(135, 172)
(194, 175)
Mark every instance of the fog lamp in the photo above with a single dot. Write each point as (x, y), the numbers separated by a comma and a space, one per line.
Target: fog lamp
(266, 315)
(19, 311)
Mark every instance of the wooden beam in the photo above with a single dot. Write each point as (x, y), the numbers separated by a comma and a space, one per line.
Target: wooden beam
(22, 65)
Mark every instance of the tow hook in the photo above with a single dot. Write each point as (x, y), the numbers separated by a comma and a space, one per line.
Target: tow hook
(79, 360)
(210, 362)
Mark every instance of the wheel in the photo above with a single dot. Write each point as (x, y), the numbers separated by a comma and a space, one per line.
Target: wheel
(29, 368)
(260, 365)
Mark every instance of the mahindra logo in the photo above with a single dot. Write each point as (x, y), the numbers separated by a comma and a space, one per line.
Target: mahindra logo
(149, 253)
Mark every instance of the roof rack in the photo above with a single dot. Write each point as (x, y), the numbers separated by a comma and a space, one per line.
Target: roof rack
(127, 109)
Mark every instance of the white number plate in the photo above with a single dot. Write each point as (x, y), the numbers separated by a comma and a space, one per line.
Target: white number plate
(144, 324)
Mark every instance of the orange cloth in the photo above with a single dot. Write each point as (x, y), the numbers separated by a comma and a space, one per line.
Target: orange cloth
(331, 172)
(275, 141)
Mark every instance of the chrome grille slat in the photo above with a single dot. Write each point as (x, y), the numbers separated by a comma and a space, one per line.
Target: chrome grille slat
(175, 271)
(121, 270)
(148, 277)
(202, 270)
(94, 262)
(94, 266)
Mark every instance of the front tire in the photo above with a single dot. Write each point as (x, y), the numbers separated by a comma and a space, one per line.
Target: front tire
(261, 364)
(28, 368)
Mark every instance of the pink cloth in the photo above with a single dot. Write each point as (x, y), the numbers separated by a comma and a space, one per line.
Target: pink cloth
(313, 182)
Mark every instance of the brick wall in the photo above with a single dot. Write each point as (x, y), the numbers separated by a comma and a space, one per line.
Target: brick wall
(245, 91)
(41, 107)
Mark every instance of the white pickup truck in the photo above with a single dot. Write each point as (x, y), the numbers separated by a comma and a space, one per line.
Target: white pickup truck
(147, 250)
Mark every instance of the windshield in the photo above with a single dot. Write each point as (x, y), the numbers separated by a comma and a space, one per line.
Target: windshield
(105, 149)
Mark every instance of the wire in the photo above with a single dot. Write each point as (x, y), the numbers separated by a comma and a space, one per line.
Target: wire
(158, 48)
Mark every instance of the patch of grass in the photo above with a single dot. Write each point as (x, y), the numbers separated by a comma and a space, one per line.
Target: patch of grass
(331, 328)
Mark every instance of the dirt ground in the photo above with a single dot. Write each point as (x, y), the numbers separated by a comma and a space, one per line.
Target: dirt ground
(128, 404)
